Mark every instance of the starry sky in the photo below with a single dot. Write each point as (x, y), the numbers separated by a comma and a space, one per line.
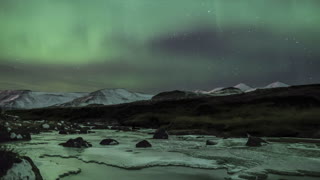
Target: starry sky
(157, 45)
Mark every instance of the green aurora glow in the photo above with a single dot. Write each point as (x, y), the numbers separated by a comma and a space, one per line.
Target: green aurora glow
(65, 45)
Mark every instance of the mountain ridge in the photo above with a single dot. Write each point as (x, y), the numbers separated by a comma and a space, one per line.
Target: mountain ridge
(28, 99)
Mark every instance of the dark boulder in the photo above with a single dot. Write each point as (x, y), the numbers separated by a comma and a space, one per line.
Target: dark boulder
(143, 144)
(63, 132)
(76, 143)
(22, 134)
(210, 142)
(33, 130)
(109, 142)
(161, 134)
(4, 134)
(255, 141)
(76, 126)
(133, 128)
(72, 131)
(84, 130)
(25, 136)
(7, 159)
(14, 135)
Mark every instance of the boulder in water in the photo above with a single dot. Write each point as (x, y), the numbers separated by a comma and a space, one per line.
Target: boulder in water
(63, 132)
(161, 134)
(210, 142)
(255, 141)
(76, 143)
(143, 144)
(109, 142)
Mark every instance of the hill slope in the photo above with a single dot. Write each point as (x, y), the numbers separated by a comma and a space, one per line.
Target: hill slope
(289, 111)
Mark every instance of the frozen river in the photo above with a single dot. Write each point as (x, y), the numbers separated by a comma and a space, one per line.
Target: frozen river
(179, 158)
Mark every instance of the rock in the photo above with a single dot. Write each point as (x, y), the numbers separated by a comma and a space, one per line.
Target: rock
(84, 131)
(63, 132)
(45, 126)
(19, 137)
(161, 134)
(8, 117)
(210, 142)
(33, 130)
(135, 128)
(16, 167)
(26, 136)
(255, 141)
(143, 144)
(19, 170)
(76, 126)
(72, 131)
(109, 142)
(76, 143)
(13, 135)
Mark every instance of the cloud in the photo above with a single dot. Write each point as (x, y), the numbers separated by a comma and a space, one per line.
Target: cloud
(242, 42)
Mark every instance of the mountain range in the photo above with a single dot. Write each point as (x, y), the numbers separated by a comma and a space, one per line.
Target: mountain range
(27, 99)
(107, 97)
(239, 88)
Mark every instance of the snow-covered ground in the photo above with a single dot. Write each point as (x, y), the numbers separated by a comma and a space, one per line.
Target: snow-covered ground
(180, 157)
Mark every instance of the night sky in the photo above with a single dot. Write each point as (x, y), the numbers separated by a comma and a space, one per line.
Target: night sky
(157, 45)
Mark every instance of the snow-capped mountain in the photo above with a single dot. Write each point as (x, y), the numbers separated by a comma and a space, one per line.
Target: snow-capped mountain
(276, 85)
(243, 87)
(215, 90)
(107, 97)
(26, 99)
(239, 88)
(227, 91)
(270, 86)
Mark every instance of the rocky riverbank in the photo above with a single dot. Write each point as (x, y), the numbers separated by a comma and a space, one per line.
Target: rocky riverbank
(232, 155)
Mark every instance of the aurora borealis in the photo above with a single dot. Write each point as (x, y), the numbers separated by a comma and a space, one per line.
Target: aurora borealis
(156, 45)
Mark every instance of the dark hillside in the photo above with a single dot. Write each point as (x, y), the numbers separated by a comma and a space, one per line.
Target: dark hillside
(292, 111)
